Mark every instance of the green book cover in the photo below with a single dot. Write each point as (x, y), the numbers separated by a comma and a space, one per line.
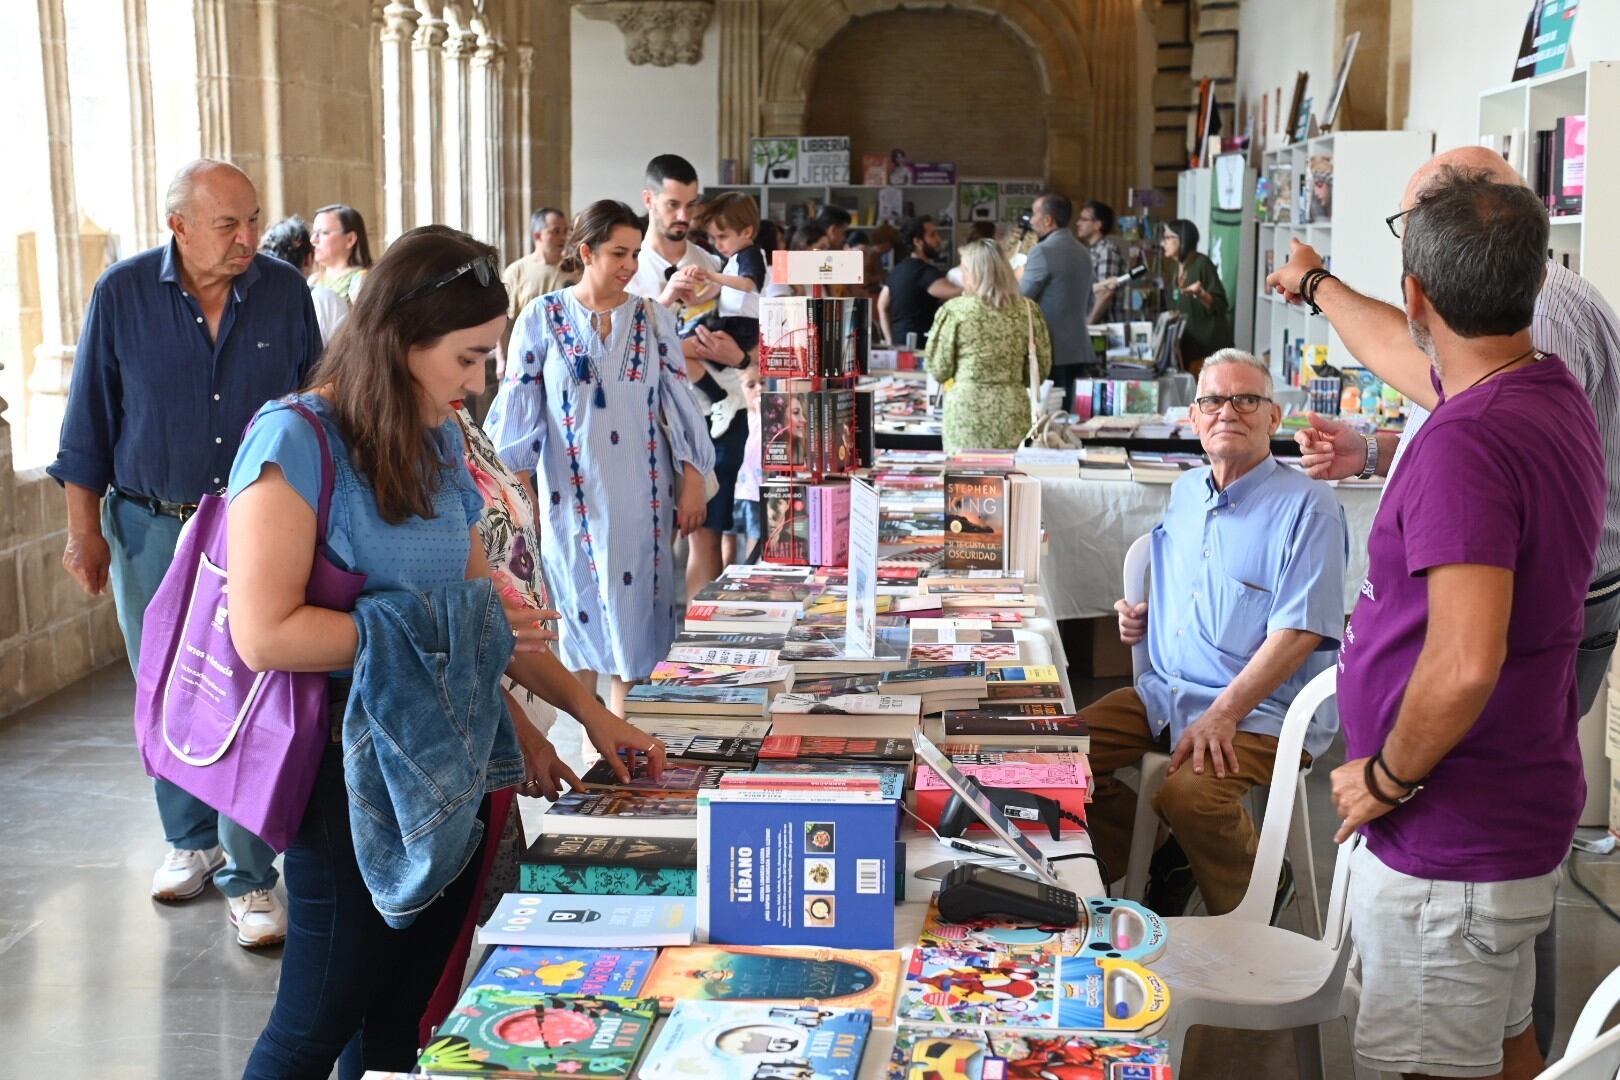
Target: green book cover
(610, 866)
(498, 1032)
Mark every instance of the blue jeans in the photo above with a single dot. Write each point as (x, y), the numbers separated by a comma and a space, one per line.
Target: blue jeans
(346, 977)
(142, 545)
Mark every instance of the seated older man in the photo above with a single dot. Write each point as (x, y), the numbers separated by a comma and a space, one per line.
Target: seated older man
(1246, 604)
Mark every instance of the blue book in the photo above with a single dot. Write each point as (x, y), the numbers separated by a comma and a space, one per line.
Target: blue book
(597, 972)
(795, 868)
(742, 1040)
(575, 920)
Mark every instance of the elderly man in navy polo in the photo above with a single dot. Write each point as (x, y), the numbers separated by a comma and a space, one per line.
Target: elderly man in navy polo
(181, 344)
(1246, 604)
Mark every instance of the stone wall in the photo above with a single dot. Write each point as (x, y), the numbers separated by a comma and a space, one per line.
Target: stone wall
(51, 633)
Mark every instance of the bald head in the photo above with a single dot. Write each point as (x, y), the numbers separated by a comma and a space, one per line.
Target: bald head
(1468, 159)
(213, 211)
(209, 175)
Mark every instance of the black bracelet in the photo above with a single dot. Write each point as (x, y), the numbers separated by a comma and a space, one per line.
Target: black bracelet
(1370, 779)
(1308, 285)
(1382, 764)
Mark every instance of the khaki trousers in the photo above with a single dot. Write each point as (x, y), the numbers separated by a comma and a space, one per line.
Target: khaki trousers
(1207, 814)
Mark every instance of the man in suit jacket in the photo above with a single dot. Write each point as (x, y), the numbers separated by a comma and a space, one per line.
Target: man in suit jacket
(1057, 275)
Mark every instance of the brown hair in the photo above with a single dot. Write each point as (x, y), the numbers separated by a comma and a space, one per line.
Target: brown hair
(352, 222)
(364, 366)
(729, 210)
(592, 226)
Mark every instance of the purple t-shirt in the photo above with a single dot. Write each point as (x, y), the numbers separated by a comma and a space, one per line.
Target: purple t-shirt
(1509, 474)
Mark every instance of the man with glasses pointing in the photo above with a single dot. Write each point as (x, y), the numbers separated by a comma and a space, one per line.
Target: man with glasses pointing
(1246, 605)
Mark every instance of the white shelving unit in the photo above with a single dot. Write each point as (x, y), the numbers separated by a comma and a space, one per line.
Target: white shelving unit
(936, 200)
(1592, 90)
(1370, 171)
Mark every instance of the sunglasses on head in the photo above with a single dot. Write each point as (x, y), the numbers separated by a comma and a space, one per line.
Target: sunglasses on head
(483, 268)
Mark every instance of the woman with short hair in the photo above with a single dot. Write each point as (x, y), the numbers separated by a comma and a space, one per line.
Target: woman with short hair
(981, 339)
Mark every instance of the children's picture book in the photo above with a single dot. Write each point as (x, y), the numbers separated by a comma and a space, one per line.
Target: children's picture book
(621, 813)
(936, 1053)
(505, 1033)
(610, 866)
(783, 975)
(533, 970)
(1071, 993)
(975, 521)
(1108, 927)
(777, 872)
(739, 1041)
(590, 921)
(833, 748)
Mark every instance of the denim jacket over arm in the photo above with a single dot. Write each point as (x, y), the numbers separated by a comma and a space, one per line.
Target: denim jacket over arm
(425, 736)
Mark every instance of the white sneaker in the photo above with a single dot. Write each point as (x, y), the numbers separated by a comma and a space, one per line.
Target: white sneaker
(259, 918)
(185, 873)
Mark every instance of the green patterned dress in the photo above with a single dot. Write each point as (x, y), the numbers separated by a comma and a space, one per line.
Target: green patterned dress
(986, 351)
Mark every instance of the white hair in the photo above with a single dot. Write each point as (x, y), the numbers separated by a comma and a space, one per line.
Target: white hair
(178, 198)
(1236, 356)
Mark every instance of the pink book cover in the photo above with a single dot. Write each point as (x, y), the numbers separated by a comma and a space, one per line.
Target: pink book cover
(835, 526)
(1012, 774)
(1572, 185)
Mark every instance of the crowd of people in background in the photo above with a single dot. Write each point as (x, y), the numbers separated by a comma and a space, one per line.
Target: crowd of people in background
(627, 416)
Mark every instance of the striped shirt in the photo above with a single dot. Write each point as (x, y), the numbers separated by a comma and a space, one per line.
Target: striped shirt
(1573, 322)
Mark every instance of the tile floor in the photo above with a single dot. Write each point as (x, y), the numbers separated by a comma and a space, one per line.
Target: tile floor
(96, 979)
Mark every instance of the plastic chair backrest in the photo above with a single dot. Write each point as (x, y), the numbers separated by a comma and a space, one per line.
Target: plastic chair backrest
(1138, 571)
(1262, 891)
(1595, 1013)
(1597, 1060)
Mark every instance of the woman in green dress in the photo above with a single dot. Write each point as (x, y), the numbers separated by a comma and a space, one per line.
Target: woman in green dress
(981, 340)
(1197, 293)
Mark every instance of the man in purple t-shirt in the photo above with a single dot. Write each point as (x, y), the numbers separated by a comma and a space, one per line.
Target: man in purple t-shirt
(1456, 677)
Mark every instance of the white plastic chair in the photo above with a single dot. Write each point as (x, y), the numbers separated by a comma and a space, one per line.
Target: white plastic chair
(1592, 1054)
(1237, 970)
(1155, 767)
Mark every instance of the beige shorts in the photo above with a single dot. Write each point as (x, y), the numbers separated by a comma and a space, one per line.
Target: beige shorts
(1448, 968)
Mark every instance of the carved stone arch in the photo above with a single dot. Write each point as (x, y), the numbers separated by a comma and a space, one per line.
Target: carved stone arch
(1050, 29)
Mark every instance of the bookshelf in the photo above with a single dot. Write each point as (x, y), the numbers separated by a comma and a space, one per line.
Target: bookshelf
(1370, 170)
(1522, 108)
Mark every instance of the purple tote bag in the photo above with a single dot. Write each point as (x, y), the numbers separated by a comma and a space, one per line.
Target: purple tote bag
(248, 743)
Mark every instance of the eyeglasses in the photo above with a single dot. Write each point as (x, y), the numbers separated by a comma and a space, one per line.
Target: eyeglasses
(1394, 229)
(483, 268)
(1210, 404)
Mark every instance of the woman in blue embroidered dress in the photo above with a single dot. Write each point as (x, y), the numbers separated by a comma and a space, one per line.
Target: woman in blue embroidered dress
(596, 401)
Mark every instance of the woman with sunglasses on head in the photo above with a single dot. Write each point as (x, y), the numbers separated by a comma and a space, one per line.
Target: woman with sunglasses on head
(596, 401)
(404, 512)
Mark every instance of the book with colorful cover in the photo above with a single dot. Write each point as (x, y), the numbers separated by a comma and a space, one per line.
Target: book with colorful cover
(1065, 781)
(818, 652)
(1070, 993)
(783, 975)
(891, 776)
(704, 700)
(621, 813)
(936, 678)
(590, 921)
(741, 616)
(1023, 681)
(507, 1033)
(849, 704)
(1019, 708)
(707, 749)
(610, 866)
(975, 521)
(933, 654)
(736, 1041)
(833, 748)
(936, 1053)
(677, 673)
(772, 871)
(1107, 927)
(535, 970)
(674, 778)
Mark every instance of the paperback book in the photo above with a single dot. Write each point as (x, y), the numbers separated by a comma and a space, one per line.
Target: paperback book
(533, 970)
(936, 1053)
(891, 777)
(702, 700)
(833, 748)
(752, 642)
(740, 617)
(777, 872)
(621, 813)
(505, 1033)
(848, 704)
(721, 655)
(975, 521)
(688, 779)
(678, 673)
(740, 1041)
(784, 975)
(610, 865)
(1071, 993)
(716, 749)
(1067, 730)
(1024, 681)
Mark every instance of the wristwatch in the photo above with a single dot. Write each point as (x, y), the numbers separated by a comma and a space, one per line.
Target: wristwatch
(1370, 470)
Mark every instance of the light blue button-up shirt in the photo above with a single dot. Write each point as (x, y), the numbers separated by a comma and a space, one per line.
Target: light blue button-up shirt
(1229, 569)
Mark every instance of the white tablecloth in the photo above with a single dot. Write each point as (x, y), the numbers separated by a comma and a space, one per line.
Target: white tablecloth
(1091, 523)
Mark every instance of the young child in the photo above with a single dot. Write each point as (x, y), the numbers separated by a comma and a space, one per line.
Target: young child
(732, 223)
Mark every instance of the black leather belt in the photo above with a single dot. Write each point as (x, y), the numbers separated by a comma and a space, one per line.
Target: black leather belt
(158, 506)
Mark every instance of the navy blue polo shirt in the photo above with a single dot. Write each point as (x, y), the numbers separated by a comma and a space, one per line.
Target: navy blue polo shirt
(156, 408)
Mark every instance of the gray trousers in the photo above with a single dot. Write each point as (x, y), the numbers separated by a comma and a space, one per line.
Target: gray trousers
(1591, 662)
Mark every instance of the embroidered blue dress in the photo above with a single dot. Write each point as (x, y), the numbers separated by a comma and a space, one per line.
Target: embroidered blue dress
(584, 414)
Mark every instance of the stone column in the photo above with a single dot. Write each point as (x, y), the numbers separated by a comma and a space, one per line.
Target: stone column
(739, 80)
(61, 268)
(213, 79)
(486, 177)
(459, 139)
(399, 158)
(143, 148)
(427, 71)
(523, 200)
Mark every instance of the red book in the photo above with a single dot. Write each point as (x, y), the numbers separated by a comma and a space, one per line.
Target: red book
(1064, 780)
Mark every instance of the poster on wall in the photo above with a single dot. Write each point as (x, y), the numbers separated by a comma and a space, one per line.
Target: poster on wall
(1017, 198)
(776, 161)
(1544, 48)
(1346, 58)
(1226, 217)
(824, 159)
(976, 200)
